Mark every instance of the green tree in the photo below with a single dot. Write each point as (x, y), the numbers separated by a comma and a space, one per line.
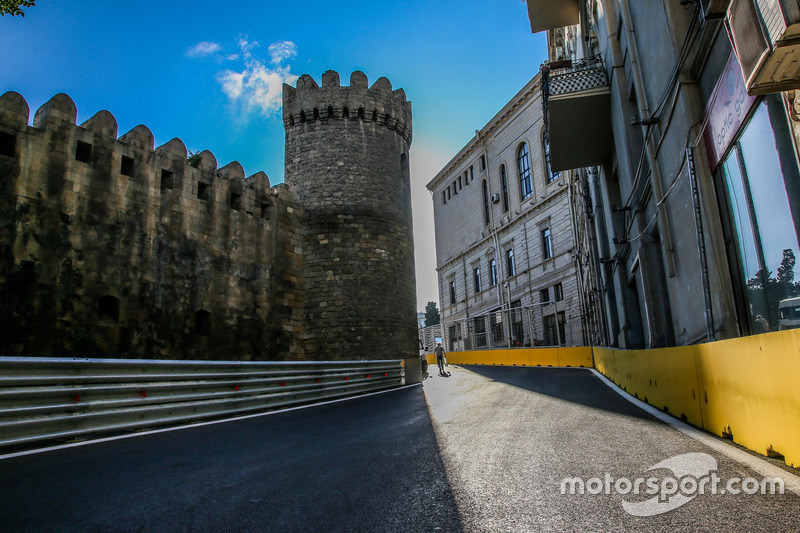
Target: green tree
(14, 7)
(431, 314)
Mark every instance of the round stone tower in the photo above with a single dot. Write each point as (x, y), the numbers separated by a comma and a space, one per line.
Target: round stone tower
(347, 164)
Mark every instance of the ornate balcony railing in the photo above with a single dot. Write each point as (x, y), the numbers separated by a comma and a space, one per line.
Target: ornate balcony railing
(566, 77)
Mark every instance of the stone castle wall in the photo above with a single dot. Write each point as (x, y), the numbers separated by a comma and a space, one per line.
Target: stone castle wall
(111, 247)
(347, 163)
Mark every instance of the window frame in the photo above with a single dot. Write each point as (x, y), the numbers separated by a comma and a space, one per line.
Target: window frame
(524, 171)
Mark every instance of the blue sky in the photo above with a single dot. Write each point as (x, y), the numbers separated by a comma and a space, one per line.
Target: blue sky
(210, 73)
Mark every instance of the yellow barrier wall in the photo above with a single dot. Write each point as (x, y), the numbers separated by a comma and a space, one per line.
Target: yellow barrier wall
(749, 384)
(575, 356)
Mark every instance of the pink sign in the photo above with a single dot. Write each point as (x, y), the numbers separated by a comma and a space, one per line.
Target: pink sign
(726, 111)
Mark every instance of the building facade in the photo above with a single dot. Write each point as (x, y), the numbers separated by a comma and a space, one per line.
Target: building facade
(688, 159)
(506, 252)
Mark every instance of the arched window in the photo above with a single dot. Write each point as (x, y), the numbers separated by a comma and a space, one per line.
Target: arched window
(551, 176)
(485, 204)
(504, 181)
(524, 167)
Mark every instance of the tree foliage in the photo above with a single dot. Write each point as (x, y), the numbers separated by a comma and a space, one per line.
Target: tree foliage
(431, 314)
(14, 7)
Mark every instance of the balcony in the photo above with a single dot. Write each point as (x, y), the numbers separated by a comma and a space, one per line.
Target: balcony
(577, 112)
(550, 14)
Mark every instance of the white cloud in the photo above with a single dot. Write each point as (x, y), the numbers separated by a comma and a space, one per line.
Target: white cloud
(281, 51)
(204, 48)
(259, 86)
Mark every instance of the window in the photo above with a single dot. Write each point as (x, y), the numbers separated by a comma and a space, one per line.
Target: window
(761, 218)
(126, 167)
(108, 308)
(477, 278)
(547, 244)
(510, 263)
(202, 191)
(551, 176)
(544, 295)
(483, 162)
(505, 187)
(455, 187)
(558, 292)
(485, 204)
(550, 330)
(166, 179)
(236, 200)
(497, 328)
(459, 183)
(8, 144)
(479, 328)
(444, 197)
(493, 272)
(471, 174)
(83, 152)
(555, 335)
(265, 210)
(452, 291)
(202, 323)
(524, 167)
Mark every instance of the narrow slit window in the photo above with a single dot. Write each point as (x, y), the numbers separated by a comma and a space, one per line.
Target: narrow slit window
(202, 191)
(8, 144)
(265, 210)
(108, 308)
(202, 323)
(236, 201)
(126, 167)
(166, 179)
(83, 152)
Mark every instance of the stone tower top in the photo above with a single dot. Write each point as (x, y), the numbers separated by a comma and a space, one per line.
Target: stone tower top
(380, 103)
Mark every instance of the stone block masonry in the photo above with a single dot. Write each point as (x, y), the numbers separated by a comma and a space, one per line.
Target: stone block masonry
(111, 247)
(347, 162)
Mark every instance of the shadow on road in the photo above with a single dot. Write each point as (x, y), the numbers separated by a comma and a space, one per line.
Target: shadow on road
(570, 384)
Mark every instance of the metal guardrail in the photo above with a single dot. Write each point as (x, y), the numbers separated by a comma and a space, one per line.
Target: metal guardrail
(51, 399)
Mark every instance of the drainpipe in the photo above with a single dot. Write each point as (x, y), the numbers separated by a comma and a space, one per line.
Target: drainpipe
(701, 245)
(644, 114)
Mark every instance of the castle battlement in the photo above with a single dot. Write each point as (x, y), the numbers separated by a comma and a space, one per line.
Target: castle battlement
(154, 251)
(311, 104)
(130, 162)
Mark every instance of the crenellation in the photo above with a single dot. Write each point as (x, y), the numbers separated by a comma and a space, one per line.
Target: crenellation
(102, 123)
(14, 110)
(58, 110)
(139, 137)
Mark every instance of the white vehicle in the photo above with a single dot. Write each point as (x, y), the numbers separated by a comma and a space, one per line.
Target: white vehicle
(789, 311)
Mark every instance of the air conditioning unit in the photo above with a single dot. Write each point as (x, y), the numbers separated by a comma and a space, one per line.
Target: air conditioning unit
(495, 198)
(766, 37)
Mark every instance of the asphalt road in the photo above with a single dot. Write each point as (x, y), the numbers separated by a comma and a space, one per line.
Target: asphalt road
(483, 450)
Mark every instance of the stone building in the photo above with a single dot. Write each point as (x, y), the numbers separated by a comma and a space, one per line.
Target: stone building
(689, 159)
(111, 247)
(505, 239)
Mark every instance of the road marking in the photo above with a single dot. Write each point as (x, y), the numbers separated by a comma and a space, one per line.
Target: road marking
(791, 481)
(199, 424)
